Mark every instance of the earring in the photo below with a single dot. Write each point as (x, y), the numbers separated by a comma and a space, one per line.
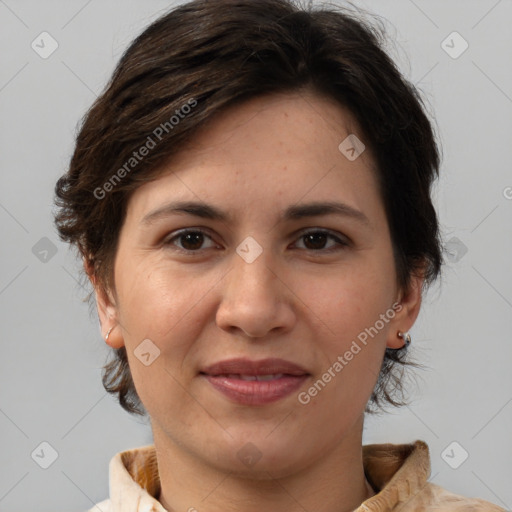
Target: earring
(406, 337)
(108, 334)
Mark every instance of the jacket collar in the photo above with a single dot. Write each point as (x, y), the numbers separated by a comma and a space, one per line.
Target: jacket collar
(397, 472)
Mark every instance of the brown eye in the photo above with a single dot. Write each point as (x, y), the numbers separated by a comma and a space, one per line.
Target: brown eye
(316, 241)
(190, 240)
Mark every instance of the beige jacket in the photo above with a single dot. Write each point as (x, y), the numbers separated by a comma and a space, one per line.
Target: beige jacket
(398, 472)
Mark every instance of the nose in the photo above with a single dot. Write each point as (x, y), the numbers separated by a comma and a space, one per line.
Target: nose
(255, 298)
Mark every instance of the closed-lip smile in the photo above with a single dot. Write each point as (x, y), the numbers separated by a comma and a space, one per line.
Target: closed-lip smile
(255, 382)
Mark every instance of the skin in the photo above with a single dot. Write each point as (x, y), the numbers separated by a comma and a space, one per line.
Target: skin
(296, 301)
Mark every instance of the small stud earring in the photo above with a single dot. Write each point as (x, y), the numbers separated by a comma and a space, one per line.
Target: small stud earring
(108, 334)
(406, 337)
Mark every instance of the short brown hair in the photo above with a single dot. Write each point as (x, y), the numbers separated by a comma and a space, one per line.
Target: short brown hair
(213, 54)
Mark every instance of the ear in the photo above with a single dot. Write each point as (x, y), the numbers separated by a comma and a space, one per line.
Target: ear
(107, 312)
(406, 311)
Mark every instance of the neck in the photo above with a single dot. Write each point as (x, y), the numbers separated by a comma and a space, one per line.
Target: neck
(333, 483)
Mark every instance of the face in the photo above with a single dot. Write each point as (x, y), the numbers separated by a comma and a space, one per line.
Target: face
(313, 293)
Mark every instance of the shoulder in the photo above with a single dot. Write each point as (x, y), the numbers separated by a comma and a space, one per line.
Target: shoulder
(435, 498)
(103, 506)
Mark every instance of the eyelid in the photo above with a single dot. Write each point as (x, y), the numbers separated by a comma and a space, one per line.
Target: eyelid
(343, 239)
(180, 232)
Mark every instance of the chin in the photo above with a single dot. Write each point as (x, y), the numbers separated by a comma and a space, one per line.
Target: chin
(261, 459)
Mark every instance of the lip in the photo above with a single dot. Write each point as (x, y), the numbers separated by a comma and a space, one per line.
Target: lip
(243, 366)
(224, 376)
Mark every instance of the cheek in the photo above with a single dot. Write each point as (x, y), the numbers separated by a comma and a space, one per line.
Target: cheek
(351, 349)
(165, 307)
(351, 335)
(349, 300)
(162, 305)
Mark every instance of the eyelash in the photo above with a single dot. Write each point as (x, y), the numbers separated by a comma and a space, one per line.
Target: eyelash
(340, 243)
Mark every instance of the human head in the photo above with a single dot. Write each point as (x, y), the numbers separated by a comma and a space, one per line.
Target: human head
(207, 56)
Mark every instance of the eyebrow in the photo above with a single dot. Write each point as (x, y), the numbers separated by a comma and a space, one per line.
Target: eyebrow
(295, 212)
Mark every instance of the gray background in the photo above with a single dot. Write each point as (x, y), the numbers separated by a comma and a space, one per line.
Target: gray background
(51, 349)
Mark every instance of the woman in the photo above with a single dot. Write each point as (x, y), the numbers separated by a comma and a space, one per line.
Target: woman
(251, 199)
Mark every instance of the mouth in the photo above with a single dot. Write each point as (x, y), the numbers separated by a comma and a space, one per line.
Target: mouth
(259, 378)
(248, 382)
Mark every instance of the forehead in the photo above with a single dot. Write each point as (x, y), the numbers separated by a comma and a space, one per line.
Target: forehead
(276, 148)
(300, 125)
